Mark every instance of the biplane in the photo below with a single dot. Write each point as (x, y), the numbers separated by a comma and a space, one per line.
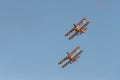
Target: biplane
(70, 57)
(78, 30)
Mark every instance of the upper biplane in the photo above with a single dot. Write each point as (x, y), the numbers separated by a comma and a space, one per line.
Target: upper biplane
(78, 29)
(70, 57)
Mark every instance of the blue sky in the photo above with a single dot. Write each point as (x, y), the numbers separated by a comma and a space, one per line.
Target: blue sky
(32, 39)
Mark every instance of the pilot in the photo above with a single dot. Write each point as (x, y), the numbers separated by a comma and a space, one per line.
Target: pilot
(77, 29)
(70, 57)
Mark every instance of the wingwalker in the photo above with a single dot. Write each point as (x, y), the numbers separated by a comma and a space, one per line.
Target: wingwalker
(70, 57)
(78, 29)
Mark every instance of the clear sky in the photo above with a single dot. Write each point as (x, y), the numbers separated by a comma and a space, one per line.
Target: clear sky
(32, 39)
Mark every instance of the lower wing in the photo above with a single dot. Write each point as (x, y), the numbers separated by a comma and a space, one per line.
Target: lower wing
(73, 35)
(66, 64)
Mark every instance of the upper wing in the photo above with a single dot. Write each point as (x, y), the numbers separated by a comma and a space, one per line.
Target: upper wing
(66, 64)
(69, 32)
(75, 50)
(83, 27)
(77, 55)
(84, 19)
(63, 60)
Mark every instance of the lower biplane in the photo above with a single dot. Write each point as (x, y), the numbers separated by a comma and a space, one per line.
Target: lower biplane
(70, 57)
(78, 29)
